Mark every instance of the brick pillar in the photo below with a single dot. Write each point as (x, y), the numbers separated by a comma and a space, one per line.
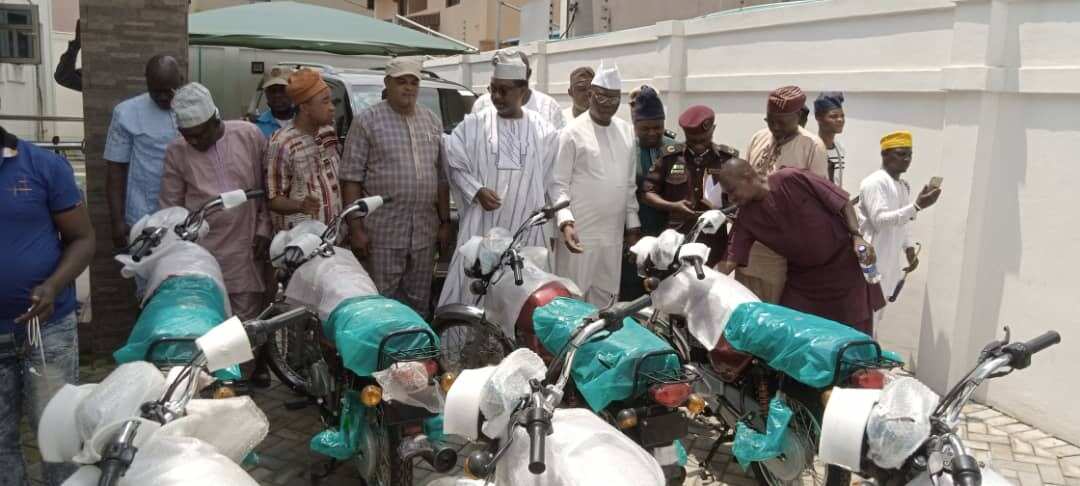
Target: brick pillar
(119, 36)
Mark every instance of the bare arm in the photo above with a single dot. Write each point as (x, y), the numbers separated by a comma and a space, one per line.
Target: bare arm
(77, 236)
(115, 195)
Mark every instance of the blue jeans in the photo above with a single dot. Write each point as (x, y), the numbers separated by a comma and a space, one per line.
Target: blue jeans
(26, 387)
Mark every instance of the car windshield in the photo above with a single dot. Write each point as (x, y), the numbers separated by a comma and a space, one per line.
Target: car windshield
(365, 95)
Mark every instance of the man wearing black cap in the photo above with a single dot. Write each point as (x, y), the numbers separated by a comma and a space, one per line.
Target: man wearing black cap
(650, 142)
(683, 182)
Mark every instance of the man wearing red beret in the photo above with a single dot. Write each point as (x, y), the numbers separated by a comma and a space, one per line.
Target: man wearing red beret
(783, 143)
(682, 182)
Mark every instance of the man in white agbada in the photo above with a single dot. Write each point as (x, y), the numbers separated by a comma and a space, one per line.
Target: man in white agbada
(541, 103)
(499, 161)
(887, 210)
(595, 171)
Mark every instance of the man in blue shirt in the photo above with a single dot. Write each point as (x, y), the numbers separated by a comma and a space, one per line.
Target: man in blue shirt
(47, 242)
(281, 110)
(135, 147)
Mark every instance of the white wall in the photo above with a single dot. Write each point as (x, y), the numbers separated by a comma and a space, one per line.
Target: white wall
(991, 91)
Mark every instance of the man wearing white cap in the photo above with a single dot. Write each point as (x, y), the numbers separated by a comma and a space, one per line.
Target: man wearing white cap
(541, 103)
(280, 110)
(395, 148)
(500, 162)
(595, 171)
(213, 157)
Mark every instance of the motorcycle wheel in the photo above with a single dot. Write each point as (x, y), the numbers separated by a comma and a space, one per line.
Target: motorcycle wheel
(291, 351)
(389, 469)
(464, 346)
(796, 466)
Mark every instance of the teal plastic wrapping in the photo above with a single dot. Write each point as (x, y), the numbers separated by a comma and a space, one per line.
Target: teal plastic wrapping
(753, 446)
(183, 306)
(800, 345)
(680, 452)
(358, 326)
(604, 367)
(341, 443)
(433, 428)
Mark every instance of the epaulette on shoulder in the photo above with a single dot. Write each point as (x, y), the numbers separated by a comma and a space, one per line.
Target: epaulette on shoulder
(724, 149)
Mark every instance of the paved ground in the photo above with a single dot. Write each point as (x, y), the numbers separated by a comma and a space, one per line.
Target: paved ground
(1024, 454)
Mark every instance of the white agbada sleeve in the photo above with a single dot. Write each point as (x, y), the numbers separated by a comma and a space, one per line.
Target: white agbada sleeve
(461, 172)
(876, 202)
(632, 220)
(563, 170)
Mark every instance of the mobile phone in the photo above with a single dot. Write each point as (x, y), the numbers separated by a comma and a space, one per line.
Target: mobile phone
(935, 182)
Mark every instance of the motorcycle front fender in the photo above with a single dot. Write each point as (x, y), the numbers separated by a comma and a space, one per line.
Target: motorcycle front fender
(455, 313)
(990, 477)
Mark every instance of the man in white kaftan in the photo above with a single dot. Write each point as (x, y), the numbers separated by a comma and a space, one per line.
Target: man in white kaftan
(535, 101)
(499, 163)
(596, 172)
(887, 209)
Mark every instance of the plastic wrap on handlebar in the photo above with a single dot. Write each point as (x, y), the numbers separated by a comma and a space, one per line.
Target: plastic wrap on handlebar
(537, 434)
(1040, 343)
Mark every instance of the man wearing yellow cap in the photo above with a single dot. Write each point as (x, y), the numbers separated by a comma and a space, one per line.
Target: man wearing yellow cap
(302, 159)
(885, 203)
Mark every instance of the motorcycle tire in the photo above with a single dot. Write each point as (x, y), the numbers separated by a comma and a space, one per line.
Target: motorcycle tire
(291, 351)
(391, 470)
(464, 346)
(804, 428)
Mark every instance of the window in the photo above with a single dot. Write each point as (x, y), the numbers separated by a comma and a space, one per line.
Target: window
(417, 6)
(371, 4)
(19, 34)
(451, 3)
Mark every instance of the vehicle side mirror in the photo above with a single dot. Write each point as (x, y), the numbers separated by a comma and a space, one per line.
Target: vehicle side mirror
(711, 221)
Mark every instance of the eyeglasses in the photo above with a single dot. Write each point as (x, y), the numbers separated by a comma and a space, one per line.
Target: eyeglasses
(607, 100)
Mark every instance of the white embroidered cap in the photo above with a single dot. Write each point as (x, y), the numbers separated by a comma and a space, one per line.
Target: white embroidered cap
(508, 65)
(193, 105)
(608, 77)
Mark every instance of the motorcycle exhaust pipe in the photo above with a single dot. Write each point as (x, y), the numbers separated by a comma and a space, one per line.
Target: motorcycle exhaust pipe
(440, 457)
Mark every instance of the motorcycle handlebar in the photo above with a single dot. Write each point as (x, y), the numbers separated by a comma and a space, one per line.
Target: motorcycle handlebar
(559, 206)
(617, 312)
(537, 423)
(965, 471)
(698, 270)
(260, 328)
(516, 265)
(1042, 342)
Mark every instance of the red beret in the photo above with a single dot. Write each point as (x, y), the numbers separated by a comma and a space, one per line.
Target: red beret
(789, 99)
(697, 117)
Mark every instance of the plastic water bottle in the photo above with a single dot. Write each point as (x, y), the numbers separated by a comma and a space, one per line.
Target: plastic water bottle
(869, 271)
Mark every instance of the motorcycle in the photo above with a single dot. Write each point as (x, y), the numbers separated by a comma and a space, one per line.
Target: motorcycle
(184, 294)
(512, 412)
(764, 368)
(139, 426)
(367, 362)
(630, 378)
(905, 435)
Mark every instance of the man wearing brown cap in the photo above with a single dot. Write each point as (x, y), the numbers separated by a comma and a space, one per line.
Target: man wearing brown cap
(783, 143)
(580, 79)
(395, 148)
(280, 110)
(302, 159)
(680, 182)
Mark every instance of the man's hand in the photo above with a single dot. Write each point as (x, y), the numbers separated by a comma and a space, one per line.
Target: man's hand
(912, 259)
(870, 257)
(683, 208)
(570, 237)
(488, 199)
(726, 267)
(358, 240)
(42, 300)
(311, 206)
(444, 238)
(927, 197)
(120, 234)
(261, 245)
(631, 237)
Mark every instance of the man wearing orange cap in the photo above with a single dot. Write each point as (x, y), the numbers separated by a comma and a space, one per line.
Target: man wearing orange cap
(783, 143)
(677, 183)
(302, 160)
(885, 202)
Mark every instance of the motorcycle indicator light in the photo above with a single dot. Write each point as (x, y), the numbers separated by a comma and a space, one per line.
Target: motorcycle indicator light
(371, 395)
(626, 419)
(825, 396)
(671, 395)
(868, 379)
(224, 392)
(432, 368)
(446, 381)
(695, 404)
